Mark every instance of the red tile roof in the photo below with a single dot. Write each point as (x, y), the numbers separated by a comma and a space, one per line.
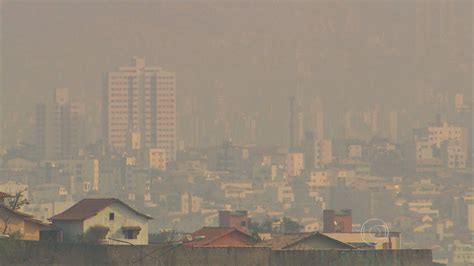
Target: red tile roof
(212, 234)
(87, 208)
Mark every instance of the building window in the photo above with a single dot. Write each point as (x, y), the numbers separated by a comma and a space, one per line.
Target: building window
(131, 232)
(111, 216)
(243, 223)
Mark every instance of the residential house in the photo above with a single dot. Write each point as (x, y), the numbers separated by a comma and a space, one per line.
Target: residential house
(310, 224)
(221, 237)
(237, 219)
(19, 223)
(122, 221)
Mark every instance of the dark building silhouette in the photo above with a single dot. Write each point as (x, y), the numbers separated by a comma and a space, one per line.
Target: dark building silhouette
(337, 221)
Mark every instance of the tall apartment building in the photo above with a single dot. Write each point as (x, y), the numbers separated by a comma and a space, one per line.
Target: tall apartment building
(348, 130)
(317, 152)
(296, 123)
(60, 127)
(323, 153)
(459, 102)
(374, 120)
(309, 149)
(393, 126)
(294, 163)
(469, 201)
(454, 154)
(140, 106)
(438, 134)
(317, 114)
(424, 149)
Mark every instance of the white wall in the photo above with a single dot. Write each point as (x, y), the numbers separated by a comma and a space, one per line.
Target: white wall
(123, 217)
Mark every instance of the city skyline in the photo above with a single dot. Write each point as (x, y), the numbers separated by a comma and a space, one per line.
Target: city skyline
(300, 62)
(240, 133)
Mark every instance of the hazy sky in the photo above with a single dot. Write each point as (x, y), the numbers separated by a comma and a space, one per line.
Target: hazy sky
(353, 53)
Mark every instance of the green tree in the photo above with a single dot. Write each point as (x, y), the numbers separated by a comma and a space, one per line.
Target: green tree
(263, 227)
(290, 226)
(94, 235)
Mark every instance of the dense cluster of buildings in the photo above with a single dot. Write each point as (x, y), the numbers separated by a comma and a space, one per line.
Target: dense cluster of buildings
(418, 183)
(109, 221)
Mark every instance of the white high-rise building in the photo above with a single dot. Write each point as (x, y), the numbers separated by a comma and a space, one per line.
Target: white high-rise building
(140, 104)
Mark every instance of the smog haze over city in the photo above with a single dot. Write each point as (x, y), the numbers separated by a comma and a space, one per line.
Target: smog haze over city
(238, 124)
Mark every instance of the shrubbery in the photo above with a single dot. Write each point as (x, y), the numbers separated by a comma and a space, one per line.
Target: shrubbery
(94, 235)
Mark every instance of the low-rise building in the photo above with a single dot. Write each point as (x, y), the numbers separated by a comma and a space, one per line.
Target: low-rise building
(294, 164)
(122, 221)
(424, 149)
(453, 154)
(285, 194)
(157, 159)
(354, 151)
(463, 254)
(221, 237)
(323, 153)
(23, 225)
(236, 219)
(85, 172)
(438, 134)
(318, 179)
(337, 221)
